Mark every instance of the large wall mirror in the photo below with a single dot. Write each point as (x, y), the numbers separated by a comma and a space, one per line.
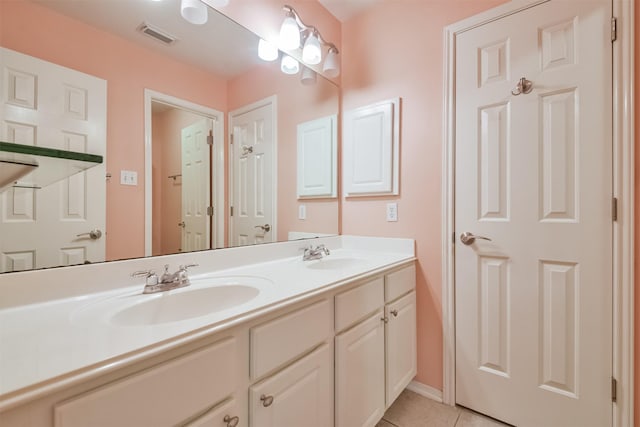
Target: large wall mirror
(159, 98)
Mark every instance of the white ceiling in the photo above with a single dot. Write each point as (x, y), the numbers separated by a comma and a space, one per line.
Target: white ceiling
(345, 9)
(220, 46)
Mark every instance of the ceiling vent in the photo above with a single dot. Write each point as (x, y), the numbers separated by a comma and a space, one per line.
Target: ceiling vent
(157, 33)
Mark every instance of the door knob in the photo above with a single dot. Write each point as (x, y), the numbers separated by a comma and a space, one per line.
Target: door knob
(93, 234)
(266, 228)
(231, 421)
(468, 238)
(266, 400)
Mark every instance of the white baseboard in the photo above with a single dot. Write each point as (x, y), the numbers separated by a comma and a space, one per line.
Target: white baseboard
(425, 390)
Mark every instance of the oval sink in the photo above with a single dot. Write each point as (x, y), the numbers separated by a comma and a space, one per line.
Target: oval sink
(335, 263)
(183, 304)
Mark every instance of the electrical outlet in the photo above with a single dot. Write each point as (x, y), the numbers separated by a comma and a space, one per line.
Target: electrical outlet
(128, 178)
(392, 212)
(302, 212)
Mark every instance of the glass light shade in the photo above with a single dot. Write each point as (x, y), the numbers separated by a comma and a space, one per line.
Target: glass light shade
(289, 34)
(331, 66)
(312, 53)
(308, 76)
(218, 3)
(289, 65)
(267, 51)
(194, 11)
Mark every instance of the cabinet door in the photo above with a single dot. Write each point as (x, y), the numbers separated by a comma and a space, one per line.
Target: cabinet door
(226, 414)
(360, 373)
(400, 349)
(299, 395)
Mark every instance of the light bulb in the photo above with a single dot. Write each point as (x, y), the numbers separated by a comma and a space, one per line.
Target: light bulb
(308, 76)
(331, 66)
(312, 53)
(289, 65)
(194, 11)
(267, 51)
(289, 34)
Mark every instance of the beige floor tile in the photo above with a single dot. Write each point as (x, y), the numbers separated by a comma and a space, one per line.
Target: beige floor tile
(413, 410)
(384, 423)
(471, 419)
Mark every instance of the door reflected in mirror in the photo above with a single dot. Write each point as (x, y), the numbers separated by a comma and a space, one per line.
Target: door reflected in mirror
(152, 192)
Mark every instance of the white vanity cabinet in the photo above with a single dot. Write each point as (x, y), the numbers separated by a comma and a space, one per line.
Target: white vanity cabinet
(162, 395)
(299, 395)
(298, 347)
(338, 357)
(375, 357)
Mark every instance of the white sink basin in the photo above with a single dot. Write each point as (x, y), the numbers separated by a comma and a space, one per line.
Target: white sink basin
(189, 303)
(329, 263)
(206, 295)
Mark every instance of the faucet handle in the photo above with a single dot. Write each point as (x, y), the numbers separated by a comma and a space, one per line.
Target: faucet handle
(150, 275)
(185, 267)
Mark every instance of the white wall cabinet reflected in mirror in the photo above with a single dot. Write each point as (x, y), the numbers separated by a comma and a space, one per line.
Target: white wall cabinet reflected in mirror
(371, 150)
(318, 158)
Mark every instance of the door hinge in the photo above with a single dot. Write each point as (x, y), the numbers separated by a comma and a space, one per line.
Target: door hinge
(210, 139)
(231, 210)
(614, 209)
(614, 390)
(210, 210)
(231, 139)
(453, 237)
(614, 29)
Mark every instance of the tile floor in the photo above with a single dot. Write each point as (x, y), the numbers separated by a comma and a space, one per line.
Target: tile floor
(413, 410)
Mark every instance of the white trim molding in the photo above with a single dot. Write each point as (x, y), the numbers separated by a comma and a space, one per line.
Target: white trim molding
(623, 229)
(425, 390)
(217, 186)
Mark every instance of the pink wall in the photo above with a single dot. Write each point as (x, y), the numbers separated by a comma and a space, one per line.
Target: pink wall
(128, 69)
(311, 102)
(395, 49)
(637, 213)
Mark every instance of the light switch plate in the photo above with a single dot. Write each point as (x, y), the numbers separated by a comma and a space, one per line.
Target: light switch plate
(392, 212)
(128, 177)
(302, 212)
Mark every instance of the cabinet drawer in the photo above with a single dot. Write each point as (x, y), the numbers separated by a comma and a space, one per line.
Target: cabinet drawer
(163, 395)
(399, 283)
(283, 339)
(357, 303)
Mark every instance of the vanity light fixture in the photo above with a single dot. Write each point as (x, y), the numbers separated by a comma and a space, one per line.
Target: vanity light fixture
(293, 31)
(289, 65)
(194, 11)
(267, 51)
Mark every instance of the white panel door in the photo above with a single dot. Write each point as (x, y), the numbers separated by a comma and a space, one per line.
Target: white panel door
(254, 177)
(534, 174)
(317, 158)
(47, 105)
(196, 188)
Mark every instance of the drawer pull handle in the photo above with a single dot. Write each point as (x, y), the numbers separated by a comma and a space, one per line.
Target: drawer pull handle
(395, 313)
(231, 421)
(385, 319)
(266, 400)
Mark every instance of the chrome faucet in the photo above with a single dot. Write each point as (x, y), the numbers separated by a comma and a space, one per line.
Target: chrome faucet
(167, 281)
(312, 253)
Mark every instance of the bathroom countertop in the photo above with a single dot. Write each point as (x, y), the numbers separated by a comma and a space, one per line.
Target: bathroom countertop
(45, 346)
